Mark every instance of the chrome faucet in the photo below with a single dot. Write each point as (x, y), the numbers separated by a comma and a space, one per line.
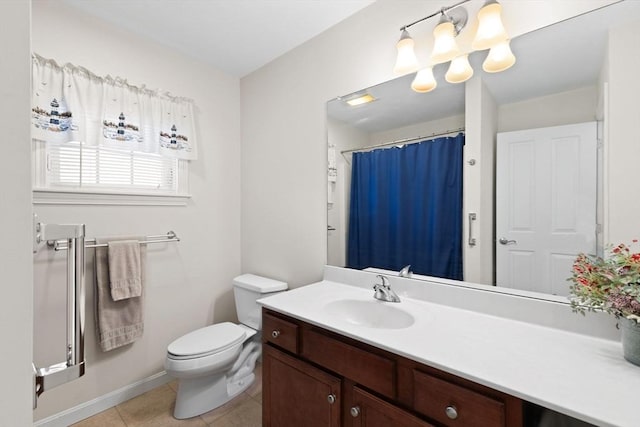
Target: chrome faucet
(406, 271)
(384, 291)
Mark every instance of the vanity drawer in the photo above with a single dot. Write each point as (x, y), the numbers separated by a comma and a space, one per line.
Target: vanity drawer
(455, 405)
(366, 368)
(280, 332)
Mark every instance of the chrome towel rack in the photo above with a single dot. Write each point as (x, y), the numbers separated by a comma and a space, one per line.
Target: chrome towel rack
(170, 236)
(71, 237)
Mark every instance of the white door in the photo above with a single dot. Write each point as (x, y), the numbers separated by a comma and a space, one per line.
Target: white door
(545, 205)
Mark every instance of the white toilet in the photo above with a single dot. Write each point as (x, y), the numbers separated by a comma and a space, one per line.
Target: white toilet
(216, 363)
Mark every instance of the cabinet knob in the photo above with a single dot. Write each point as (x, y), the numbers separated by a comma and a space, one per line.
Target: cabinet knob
(451, 412)
(275, 333)
(355, 411)
(331, 399)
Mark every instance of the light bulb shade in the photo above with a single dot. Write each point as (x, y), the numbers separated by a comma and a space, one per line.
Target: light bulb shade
(406, 62)
(459, 70)
(424, 81)
(499, 58)
(445, 47)
(490, 29)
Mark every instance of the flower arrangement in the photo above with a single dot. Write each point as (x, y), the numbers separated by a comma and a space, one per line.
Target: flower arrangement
(609, 284)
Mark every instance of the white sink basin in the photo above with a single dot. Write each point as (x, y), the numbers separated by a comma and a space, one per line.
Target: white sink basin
(371, 314)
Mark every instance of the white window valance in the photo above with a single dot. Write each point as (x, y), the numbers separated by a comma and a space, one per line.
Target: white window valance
(70, 103)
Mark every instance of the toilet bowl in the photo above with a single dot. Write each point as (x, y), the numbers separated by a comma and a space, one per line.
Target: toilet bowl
(216, 363)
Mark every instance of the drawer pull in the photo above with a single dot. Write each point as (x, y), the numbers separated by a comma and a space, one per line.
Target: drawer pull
(331, 399)
(355, 411)
(275, 333)
(451, 412)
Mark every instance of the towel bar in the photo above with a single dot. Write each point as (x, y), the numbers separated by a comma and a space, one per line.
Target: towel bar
(170, 236)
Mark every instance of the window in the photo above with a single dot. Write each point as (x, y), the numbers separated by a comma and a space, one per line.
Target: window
(100, 140)
(79, 168)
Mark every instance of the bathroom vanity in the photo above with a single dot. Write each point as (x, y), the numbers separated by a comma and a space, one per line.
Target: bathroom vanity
(314, 377)
(335, 356)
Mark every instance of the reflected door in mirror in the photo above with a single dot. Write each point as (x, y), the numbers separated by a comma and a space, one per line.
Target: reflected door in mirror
(545, 205)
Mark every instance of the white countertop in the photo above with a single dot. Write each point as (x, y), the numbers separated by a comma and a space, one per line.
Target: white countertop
(578, 375)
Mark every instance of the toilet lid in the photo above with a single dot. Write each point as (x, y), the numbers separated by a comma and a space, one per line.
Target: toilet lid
(211, 339)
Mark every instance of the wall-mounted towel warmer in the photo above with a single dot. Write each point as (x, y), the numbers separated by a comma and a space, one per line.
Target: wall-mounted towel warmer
(74, 366)
(170, 236)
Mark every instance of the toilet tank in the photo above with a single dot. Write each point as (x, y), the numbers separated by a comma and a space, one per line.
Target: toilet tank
(247, 289)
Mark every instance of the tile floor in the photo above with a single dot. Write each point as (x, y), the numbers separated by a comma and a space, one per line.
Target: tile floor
(155, 408)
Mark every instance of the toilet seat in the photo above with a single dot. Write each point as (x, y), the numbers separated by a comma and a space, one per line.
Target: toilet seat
(206, 341)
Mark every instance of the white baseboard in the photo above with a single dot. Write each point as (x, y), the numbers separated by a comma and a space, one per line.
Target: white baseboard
(102, 403)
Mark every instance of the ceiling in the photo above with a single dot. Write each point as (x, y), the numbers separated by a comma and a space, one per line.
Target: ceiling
(235, 36)
(561, 57)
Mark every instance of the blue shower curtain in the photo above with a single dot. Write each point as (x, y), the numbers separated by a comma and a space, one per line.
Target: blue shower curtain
(406, 208)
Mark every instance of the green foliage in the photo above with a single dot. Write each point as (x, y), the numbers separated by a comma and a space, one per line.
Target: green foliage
(610, 284)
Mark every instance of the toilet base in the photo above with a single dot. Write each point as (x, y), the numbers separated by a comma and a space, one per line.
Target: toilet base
(199, 395)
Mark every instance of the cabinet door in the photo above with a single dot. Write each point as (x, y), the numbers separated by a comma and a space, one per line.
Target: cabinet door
(369, 411)
(296, 394)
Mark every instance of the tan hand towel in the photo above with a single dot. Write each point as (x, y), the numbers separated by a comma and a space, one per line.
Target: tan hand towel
(124, 269)
(117, 322)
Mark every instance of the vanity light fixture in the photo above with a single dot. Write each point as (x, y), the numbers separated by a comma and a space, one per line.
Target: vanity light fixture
(491, 35)
(459, 70)
(424, 81)
(445, 47)
(406, 61)
(360, 99)
(499, 59)
(490, 28)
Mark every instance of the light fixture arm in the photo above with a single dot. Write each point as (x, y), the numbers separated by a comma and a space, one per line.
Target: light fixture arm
(458, 17)
(440, 12)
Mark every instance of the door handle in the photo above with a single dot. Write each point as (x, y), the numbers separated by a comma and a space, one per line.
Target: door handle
(504, 241)
(472, 218)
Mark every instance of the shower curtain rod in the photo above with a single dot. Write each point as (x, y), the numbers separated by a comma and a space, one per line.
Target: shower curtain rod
(401, 141)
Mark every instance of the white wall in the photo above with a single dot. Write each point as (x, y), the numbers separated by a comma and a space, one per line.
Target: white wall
(479, 182)
(344, 137)
(622, 148)
(419, 129)
(16, 316)
(574, 106)
(188, 283)
(283, 117)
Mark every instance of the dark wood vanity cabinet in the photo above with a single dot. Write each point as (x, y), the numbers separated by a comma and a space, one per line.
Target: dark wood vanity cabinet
(298, 394)
(314, 377)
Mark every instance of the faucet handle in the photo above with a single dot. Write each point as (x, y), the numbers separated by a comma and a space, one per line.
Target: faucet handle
(383, 290)
(405, 271)
(385, 281)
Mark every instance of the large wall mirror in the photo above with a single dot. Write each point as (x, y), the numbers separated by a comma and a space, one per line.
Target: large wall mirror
(559, 79)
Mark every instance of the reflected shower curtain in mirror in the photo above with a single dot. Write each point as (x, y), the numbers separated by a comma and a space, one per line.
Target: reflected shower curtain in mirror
(406, 208)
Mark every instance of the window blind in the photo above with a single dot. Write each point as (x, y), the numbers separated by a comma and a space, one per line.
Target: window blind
(76, 165)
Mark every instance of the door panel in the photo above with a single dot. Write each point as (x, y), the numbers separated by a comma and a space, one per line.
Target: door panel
(297, 394)
(545, 205)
